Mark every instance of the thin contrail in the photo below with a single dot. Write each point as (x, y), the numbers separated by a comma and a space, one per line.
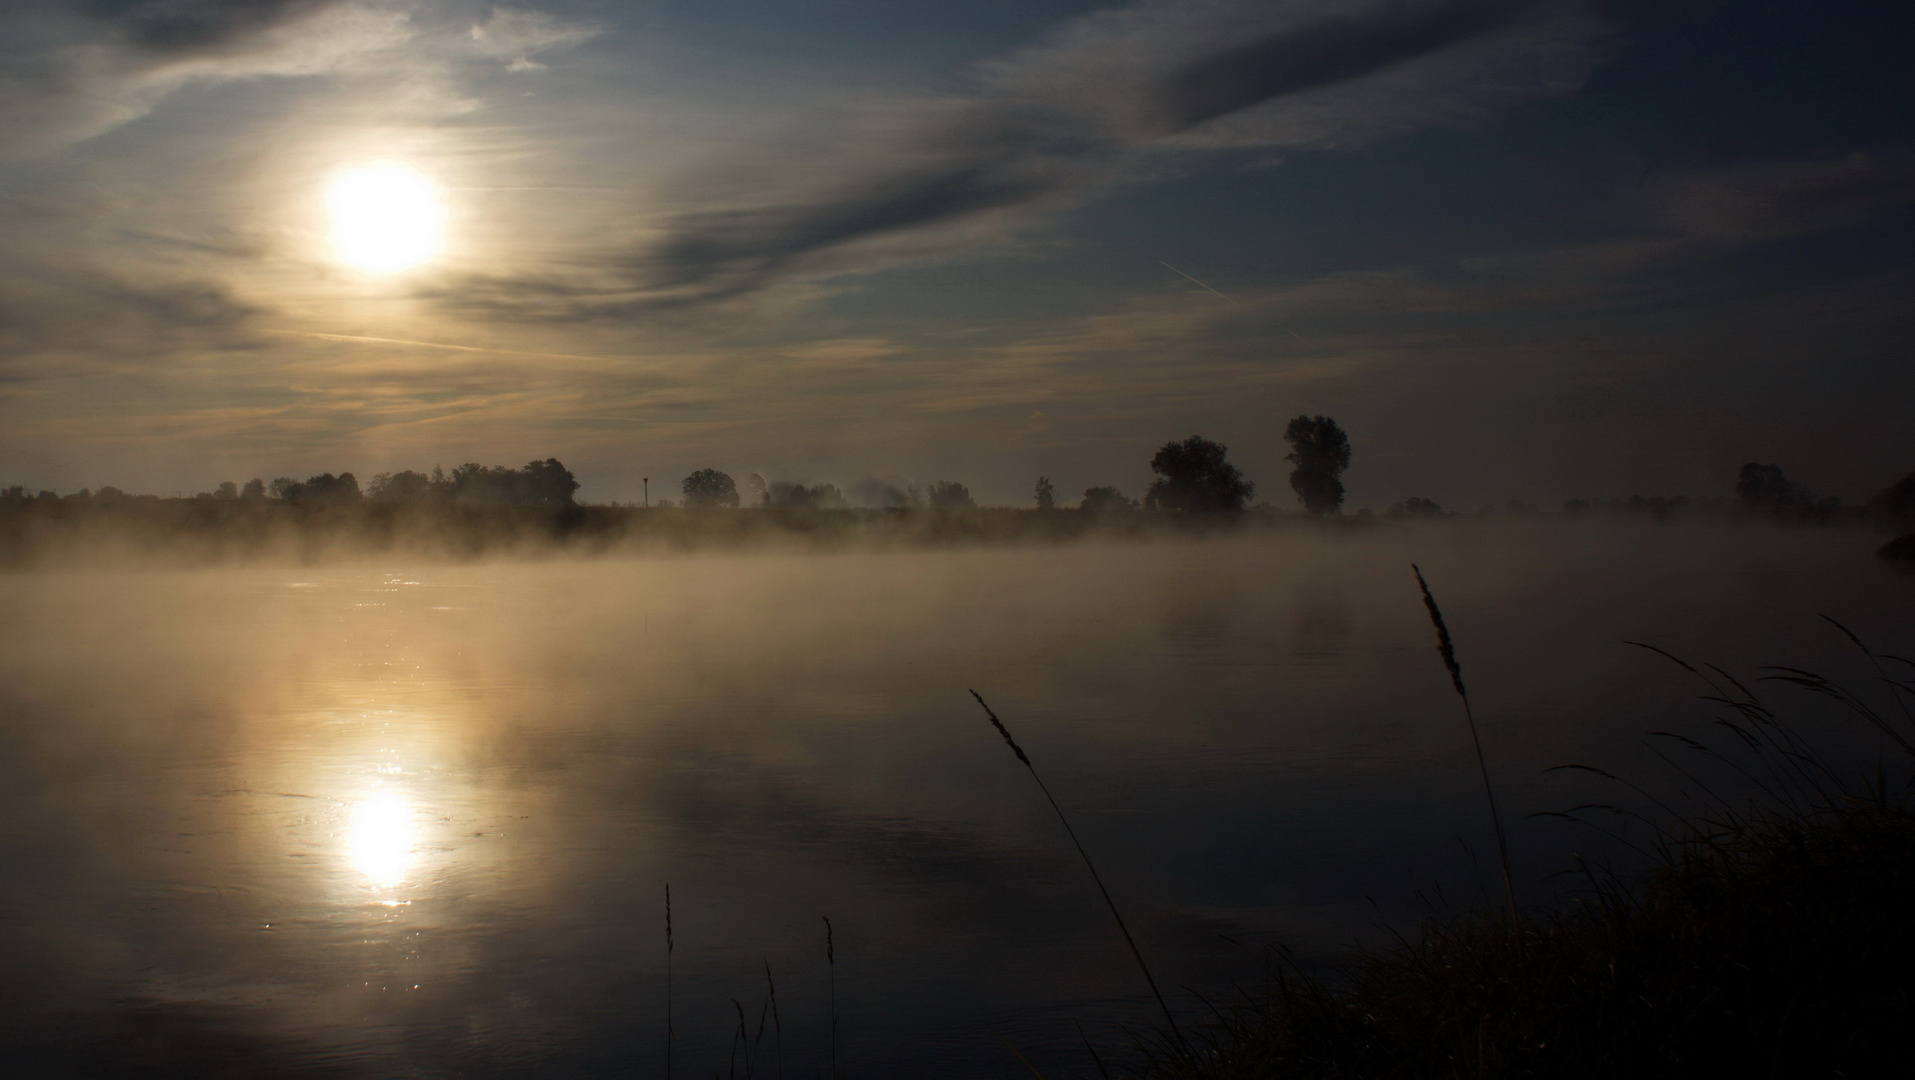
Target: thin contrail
(1232, 299)
(431, 345)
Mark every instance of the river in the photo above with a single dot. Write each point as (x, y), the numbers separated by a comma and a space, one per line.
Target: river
(393, 819)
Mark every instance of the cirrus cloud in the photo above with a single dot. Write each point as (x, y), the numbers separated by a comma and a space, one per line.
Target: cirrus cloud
(1048, 126)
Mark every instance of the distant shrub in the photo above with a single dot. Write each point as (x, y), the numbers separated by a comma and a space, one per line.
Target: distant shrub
(1416, 506)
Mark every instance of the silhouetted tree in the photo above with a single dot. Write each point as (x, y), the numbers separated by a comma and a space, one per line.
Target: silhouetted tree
(949, 495)
(1195, 478)
(341, 488)
(709, 488)
(798, 496)
(760, 493)
(1320, 451)
(540, 483)
(226, 490)
(1895, 504)
(1416, 506)
(548, 483)
(254, 489)
(1045, 494)
(407, 486)
(1105, 500)
(324, 488)
(1763, 487)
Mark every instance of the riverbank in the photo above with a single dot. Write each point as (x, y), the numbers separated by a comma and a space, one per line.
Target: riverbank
(1767, 935)
(1780, 949)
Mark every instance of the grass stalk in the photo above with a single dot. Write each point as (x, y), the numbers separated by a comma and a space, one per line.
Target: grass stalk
(1012, 1047)
(741, 1035)
(777, 1025)
(758, 1040)
(1116, 915)
(1447, 649)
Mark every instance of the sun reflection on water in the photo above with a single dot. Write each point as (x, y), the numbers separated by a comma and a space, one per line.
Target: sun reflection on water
(382, 838)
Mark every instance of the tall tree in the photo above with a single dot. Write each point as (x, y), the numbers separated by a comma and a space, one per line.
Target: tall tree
(710, 488)
(1046, 494)
(1763, 487)
(1320, 451)
(547, 483)
(1195, 477)
(949, 495)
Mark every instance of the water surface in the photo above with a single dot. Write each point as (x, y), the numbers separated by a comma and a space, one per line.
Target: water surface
(417, 820)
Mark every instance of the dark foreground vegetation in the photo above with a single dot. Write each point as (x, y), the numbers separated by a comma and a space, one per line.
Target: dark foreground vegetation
(1774, 945)
(1769, 935)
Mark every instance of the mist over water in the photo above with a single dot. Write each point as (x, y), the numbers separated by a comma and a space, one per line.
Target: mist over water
(401, 818)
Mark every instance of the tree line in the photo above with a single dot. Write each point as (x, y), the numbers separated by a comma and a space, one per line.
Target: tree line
(1193, 476)
(539, 483)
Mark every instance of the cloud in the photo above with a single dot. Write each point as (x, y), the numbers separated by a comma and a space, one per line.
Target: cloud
(83, 71)
(177, 27)
(56, 320)
(1313, 73)
(513, 34)
(1318, 55)
(1048, 126)
(1781, 198)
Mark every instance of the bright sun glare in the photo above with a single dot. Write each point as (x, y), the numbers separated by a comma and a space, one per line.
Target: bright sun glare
(385, 218)
(381, 838)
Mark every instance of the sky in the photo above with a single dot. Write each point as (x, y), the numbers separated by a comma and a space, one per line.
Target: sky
(1519, 249)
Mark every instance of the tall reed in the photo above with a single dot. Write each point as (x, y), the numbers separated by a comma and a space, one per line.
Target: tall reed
(1447, 649)
(778, 1027)
(1135, 952)
(743, 1035)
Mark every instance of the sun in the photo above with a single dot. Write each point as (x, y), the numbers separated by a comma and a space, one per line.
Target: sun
(385, 218)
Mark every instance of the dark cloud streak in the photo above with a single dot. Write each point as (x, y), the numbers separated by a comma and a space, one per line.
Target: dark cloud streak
(83, 310)
(1009, 155)
(1007, 160)
(203, 26)
(1318, 55)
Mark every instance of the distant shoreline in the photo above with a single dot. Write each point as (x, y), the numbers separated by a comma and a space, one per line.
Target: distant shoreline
(134, 531)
